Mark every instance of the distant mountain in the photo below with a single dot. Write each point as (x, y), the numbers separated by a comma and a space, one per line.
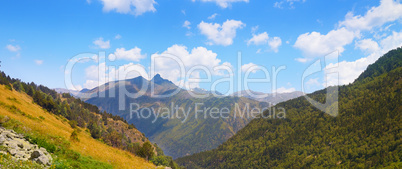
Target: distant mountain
(268, 97)
(84, 90)
(75, 93)
(365, 134)
(62, 90)
(204, 91)
(176, 136)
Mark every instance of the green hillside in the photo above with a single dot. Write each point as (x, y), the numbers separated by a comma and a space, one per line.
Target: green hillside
(365, 134)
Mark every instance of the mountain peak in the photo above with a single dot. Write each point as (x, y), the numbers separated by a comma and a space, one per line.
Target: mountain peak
(157, 76)
(157, 79)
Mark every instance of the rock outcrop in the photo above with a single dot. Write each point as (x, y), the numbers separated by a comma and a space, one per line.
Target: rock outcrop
(21, 149)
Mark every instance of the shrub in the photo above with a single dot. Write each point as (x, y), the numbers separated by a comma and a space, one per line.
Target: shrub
(146, 151)
(74, 135)
(73, 123)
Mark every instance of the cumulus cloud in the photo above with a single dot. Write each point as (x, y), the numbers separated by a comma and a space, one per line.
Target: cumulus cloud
(13, 48)
(134, 7)
(288, 3)
(284, 90)
(220, 34)
(254, 29)
(133, 54)
(274, 43)
(389, 10)
(199, 57)
(102, 44)
(313, 82)
(249, 67)
(367, 45)
(302, 60)
(98, 75)
(349, 71)
(263, 38)
(315, 44)
(187, 24)
(258, 39)
(212, 17)
(223, 3)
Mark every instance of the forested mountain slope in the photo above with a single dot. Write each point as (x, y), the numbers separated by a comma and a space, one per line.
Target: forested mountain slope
(367, 132)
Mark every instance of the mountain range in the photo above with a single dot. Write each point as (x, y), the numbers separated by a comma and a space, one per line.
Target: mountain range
(193, 133)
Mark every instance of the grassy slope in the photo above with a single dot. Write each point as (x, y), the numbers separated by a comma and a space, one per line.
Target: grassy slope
(54, 126)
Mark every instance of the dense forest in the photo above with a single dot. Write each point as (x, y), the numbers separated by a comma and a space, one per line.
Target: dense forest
(367, 133)
(101, 125)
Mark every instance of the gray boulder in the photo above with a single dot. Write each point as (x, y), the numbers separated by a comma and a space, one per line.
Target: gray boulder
(20, 149)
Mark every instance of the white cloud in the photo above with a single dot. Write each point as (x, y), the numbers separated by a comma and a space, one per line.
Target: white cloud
(187, 24)
(259, 39)
(367, 45)
(288, 3)
(313, 82)
(102, 44)
(254, 29)
(220, 35)
(97, 75)
(135, 7)
(223, 3)
(284, 90)
(263, 38)
(315, 44)
(392, 41)
(13, 48)
(212, 17)
(249, 67)
(388, 11)
(118, 36)
(302, 60)
(258, 51)
(349, 71)
(38, 62)
(133, 54)
(274, 43)
(200, 57)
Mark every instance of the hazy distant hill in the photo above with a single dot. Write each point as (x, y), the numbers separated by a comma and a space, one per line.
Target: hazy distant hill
(269, 97)
(365, 134)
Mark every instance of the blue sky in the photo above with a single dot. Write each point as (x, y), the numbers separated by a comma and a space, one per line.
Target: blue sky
(38, 38)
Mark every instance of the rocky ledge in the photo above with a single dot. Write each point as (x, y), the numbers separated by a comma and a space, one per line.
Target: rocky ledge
(21, 149)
